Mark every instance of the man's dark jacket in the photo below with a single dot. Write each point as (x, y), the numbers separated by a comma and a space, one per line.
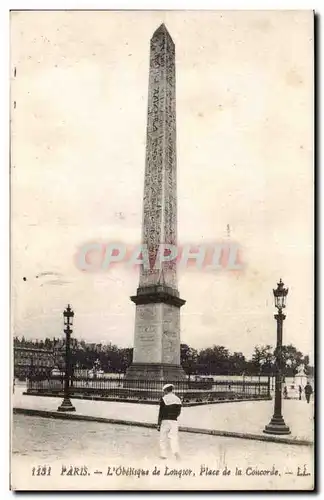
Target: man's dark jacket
(170, 407)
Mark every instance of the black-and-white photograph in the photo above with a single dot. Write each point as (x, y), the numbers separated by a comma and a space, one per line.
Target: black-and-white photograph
(162, 286)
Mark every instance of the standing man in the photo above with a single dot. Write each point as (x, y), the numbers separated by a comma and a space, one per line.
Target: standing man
(170, 409)
(285, 391)
(308, 391)
(300, 390)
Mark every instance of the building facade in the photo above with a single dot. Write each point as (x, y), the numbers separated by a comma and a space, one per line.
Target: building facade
(29, 360)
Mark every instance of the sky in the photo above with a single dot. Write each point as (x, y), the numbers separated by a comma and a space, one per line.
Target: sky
(79, 85)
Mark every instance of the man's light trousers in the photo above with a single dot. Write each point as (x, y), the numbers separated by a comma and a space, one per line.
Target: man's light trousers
(169, 431)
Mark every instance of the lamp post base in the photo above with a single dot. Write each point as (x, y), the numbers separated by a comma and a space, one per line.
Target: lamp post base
(277, 426)
(66, 405)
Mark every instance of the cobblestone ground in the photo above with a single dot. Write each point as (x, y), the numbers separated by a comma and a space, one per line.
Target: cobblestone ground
(39, 440)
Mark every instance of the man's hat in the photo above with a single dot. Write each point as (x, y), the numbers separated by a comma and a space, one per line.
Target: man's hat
(167, 386)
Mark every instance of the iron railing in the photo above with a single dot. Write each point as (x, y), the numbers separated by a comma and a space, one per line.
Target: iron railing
(120, 388)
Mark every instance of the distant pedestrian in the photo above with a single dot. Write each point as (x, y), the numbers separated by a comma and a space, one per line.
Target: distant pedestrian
(300, 390)
(285, 391)
(170, 409)
(308, 391)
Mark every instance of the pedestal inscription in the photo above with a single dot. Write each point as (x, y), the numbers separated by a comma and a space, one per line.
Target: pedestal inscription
(171, 335)
(148, 333)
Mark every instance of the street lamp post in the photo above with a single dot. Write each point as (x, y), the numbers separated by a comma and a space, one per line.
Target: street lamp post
(66, 404)
(277, 424)
(261, 365)
(272, 362)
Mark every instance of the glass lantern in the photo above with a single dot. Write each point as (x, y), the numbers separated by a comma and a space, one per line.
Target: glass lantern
(280, 295)
(68, 315)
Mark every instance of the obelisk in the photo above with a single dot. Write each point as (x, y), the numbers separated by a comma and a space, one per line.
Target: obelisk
(157, 321)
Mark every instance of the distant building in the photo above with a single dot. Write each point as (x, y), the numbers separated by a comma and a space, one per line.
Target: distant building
(30, 359)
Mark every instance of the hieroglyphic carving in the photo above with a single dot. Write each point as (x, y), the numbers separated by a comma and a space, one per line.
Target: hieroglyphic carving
(160, 204)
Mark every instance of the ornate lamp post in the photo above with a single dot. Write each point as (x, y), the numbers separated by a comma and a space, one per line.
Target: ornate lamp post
(277, 424)
(262, 362)
(66, 404)
(272, 365)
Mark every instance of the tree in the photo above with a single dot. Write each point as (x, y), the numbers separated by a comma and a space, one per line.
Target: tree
(309, 370)
(306, 361)
(263, 359)
(237, 362)
(292, 359)
(214, 360)
(188, 357)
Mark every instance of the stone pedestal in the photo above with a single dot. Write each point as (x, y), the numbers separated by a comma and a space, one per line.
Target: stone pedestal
(301, 377)
(157, 334)
(155, 371)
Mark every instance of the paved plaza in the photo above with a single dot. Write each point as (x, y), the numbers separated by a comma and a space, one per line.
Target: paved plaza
(98, 446)
(244, 417)
(47, 439)
(94, 446)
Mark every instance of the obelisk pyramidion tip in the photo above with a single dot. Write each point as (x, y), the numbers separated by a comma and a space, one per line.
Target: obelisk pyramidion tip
(162, 29)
